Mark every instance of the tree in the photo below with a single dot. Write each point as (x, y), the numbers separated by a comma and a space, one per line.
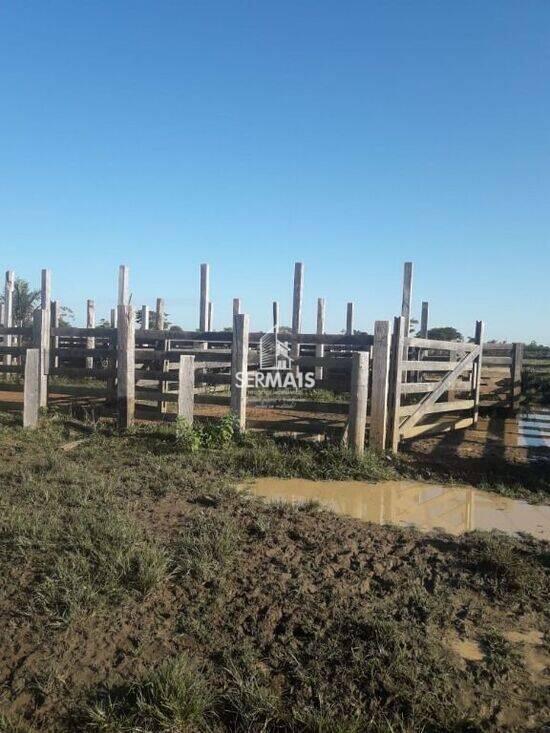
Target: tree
(445, 333)
(66, 316)
(25, 302)
(153, 320)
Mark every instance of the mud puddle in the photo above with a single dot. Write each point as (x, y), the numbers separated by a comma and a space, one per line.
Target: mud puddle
(455, 509)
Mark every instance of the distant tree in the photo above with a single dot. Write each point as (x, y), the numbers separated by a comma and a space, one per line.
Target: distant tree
(25, 302)
(153, 319)
(445, 333)
(66, 316)
(104, 323)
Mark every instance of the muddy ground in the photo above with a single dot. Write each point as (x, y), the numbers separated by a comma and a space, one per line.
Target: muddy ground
(124, 555)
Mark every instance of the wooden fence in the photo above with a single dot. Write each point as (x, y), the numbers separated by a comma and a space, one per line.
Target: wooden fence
(392, 386)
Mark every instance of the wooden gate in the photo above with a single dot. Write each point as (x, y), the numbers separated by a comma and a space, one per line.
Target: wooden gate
(435, 385)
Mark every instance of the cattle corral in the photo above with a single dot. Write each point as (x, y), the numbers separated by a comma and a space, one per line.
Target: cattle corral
(383, 387)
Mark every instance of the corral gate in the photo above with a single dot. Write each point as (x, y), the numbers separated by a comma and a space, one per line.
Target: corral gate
(427, 376)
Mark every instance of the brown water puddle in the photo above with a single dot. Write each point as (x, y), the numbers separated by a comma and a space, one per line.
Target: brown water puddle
(455, 509)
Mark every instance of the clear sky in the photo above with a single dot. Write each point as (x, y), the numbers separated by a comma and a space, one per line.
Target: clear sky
(349, 135)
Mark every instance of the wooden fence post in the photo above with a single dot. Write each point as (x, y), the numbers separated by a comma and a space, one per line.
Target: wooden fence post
(424, 319)
(239, 368)
(204, 298)
(90, 323)
(8, 311)
(55, 310)
(186, 394)
(476, 369)
(358, 401)
(126, 383)
(407, 296)
(349, 319)
(275, 316)
(297, 308)
(41, 339)
(380, 385)
(160, 318)
(517, 368)
(210, 315)
(123, 285)
(320, 348)
(236, 306)
(144, 317)
(113, 317)
(396, 380)
(31, 388)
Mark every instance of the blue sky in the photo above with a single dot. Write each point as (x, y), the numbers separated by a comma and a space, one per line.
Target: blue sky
(349, 135)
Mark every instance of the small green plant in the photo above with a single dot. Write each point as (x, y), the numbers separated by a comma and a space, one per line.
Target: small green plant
(188, 439)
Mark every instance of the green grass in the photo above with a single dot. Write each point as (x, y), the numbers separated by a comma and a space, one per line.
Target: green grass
(147, 594)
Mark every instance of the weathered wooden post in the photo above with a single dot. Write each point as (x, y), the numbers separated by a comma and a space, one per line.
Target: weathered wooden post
(407, 296)
(380, 385)
(517, 367)
(41, 340)
(239, 368)
(319, 347)
(210, 315)
(113, 317)
(55, 311)
(123, 285)
(8, 311)
(358, 401)
(349, 319)
(275, 317)
(31, 388)
(90, 323)
(144, 317)
(160, 318)
(476, 370)
(45, 335)
(204, 297)
(396, 380)
(297, 299)
(424, 319)
(186, 393)
(236, 306)
(126, 383)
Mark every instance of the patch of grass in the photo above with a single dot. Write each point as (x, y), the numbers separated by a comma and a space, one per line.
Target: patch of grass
(205, 547)
(11, 724)
(173, 697)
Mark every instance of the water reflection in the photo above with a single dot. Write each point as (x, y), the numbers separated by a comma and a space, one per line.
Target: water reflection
(427, 506)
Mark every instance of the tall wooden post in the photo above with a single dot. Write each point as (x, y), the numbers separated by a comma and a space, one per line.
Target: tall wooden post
(407, 296)
(275, 317)
(126, 383)
(204, 298)
(349, 319)
(8, 311)
(90, 323)
(380, 385)
(320, 348)
(41, 339)
(210, 315)
(396, 380)
(160, 318)
(113, 317)
(236, 306)
(297, 299)
(186, 391)
(239, 368)
(358, 401)
(144, 317)
(55, 312)
(123, 285)
(517, 367)
(477, 366)
(31, 388)
(424, 319)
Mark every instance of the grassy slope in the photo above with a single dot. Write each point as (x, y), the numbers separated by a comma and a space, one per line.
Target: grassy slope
(141, 592)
